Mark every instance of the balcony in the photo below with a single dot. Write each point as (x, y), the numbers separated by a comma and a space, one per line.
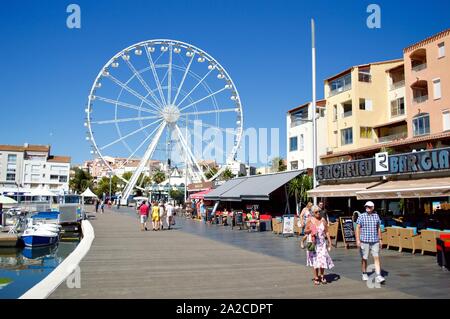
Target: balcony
(419, 67)
(392, 137)
(397, 85)
(420, 99)
(340, 90)
(347, 114)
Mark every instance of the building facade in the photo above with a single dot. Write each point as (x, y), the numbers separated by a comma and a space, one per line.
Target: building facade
(28, 167)
(300, 135)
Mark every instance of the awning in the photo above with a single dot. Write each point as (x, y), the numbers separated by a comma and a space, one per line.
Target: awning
(200, 195)
(255, 187)
(88, 193)
(426, 187)
(339, 190)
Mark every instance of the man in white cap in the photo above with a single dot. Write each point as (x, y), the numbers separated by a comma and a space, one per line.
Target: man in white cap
(368, 239)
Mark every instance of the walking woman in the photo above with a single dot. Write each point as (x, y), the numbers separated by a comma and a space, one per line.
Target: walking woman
(155, 216)
(317, 249)
(304, 216)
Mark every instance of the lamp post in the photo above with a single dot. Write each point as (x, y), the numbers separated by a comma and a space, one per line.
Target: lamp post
(110, 184)
(314, 107)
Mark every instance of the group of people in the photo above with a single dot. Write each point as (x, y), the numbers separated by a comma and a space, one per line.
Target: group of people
(314, 224)
(99, 204)
(161, 214)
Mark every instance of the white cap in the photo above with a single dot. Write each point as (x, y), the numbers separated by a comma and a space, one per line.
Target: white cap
(370, 204)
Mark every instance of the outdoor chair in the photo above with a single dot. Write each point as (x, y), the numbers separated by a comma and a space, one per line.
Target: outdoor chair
(297, 229)
(393, 237)
(408, 240)
(384, 237)
(277, 226)
(429, 240)
(333, 230)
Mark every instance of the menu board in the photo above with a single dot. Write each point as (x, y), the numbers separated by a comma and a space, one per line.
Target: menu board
(288, 225)
(348, 230)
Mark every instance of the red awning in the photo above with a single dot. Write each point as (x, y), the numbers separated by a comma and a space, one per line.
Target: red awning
(200, 195)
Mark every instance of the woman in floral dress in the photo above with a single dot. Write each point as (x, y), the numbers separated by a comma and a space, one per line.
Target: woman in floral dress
(319, 259)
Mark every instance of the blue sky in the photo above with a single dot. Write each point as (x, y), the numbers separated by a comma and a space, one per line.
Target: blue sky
(48, 69)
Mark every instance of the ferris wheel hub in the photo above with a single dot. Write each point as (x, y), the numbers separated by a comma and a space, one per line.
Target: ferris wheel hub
(171, 113)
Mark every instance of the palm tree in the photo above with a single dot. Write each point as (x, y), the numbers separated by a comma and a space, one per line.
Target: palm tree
(278, 164)
(299, 187)
(227, 174)
(210, 172)
(80, 181)
(159, 177)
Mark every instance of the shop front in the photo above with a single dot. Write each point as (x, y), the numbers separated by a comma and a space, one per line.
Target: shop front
(411, 189)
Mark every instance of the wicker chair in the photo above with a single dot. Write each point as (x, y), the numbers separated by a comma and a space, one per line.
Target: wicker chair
(408, 240)
(393, 237)
(429, 240)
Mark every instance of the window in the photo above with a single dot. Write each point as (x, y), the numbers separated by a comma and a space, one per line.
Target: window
(35, 168)
(335, 113)
(63, 179)
(294, 165)
(347, 136)
(365, 132)
(421, 124)
(299, 117)
(341, 84)
(53, 177)
(365, 104)
(10, 177)
(35, 177)
(441, 50)
(293, 144)
(437, 89)
(347, 106)
(398, 107)
(302, 142)
(335, 137)
(446, 119)
(12, 158)
(364, 75)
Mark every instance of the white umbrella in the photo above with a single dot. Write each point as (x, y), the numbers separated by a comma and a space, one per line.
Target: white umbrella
(88, 193)
(7, 200)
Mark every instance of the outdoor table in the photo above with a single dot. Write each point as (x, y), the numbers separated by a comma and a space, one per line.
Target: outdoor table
(443, 252)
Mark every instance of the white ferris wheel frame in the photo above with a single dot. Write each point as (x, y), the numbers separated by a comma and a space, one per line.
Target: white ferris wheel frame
(144, 45)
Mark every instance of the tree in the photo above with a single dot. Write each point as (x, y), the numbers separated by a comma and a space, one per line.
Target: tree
(80, 181)
(103, 186)
(159, 176)
(127, 175)
(299, 187)
(227, 174)
(278, 164)
(177, 195)
(210, 172)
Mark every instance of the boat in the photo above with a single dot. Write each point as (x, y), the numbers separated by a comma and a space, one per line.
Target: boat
(46, 218)
(38, 252)
(37, 237)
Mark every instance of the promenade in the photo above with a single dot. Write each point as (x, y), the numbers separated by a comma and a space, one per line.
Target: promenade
(195, 260)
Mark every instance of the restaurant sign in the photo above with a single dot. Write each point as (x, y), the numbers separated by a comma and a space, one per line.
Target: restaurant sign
(384, 164)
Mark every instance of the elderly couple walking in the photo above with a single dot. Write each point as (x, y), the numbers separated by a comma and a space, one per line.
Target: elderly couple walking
(318, 246)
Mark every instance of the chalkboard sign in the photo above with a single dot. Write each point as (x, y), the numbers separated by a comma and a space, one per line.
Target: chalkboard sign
(348, 230)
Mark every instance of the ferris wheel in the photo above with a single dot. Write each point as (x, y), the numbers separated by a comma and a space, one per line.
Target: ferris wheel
(168, 101)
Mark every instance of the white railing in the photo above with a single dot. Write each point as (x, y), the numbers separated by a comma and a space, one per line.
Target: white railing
(420, 99)
(397, 85)
(347, 114)
(340, 90)
(393, 137)
(419, 67)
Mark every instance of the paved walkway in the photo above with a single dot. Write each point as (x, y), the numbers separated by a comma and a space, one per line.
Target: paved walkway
(208, 261)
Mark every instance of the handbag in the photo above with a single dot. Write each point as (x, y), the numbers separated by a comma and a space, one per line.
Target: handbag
(310, 245)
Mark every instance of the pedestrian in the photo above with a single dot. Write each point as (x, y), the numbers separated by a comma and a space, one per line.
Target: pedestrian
(162, 214)
(155, 216)
(143, 212)
(97, 204)
(102, 206)
(318, 246)
(323, 212)
(169, 213)
(203, 210)
(118, 202)
(304, 216)
(368, 239)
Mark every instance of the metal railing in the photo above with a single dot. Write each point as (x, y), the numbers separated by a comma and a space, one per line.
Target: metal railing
(347, 114)
(397, 85)
(420, 99)
(419, 67)
(340, 90)
(390, 138)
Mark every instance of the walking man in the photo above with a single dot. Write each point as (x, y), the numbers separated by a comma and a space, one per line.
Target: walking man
(97, 204)
(323, 212)
(169, 212)
(368, 239)
(102, 206)
(162, 214)
(143, 212)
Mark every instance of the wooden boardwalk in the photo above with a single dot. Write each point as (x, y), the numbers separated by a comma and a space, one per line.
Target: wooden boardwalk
(124, 262)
